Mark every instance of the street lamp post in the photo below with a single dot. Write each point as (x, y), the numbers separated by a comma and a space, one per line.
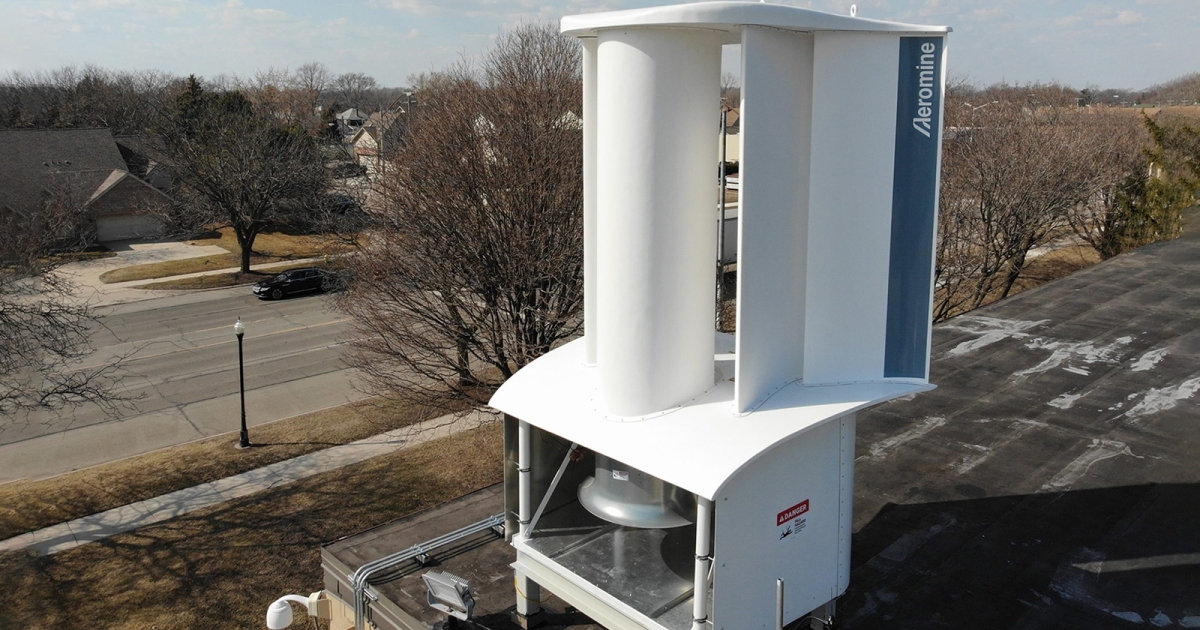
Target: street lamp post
(239, 329)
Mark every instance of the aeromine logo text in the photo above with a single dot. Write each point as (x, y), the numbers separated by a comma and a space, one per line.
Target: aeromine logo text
(923, 121)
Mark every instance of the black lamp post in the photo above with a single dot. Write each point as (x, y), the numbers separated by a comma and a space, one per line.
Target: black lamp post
(239, 329)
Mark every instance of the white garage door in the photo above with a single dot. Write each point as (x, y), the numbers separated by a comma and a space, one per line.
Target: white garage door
(118, 227)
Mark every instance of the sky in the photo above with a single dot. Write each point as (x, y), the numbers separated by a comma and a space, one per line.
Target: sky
(1129, 44)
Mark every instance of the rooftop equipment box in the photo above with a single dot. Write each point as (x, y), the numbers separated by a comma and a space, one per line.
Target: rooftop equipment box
(666, 476)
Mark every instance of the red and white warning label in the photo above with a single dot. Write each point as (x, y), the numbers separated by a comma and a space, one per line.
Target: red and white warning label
(791, 520)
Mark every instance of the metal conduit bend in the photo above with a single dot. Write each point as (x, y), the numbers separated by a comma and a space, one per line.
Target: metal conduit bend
(362, 577)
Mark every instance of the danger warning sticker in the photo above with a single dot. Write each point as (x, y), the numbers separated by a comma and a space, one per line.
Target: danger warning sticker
(791, 521)
(792, 512)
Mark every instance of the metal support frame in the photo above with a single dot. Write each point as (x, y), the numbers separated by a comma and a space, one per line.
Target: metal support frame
(361, 580)
(703, 563)
(562, 468)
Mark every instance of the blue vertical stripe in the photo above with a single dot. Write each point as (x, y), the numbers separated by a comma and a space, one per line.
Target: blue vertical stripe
(914, 202)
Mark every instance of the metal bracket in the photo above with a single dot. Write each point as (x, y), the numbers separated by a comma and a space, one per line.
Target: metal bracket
(550, 491)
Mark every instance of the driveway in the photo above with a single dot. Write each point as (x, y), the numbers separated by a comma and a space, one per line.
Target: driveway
(86, 274)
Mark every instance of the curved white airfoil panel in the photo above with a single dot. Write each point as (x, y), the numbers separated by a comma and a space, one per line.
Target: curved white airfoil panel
(656, 94)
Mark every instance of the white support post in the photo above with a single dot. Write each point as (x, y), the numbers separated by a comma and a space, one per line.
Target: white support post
(529, 605)
(525, 476)
(779, 605)
(703, 563)
(529, 593)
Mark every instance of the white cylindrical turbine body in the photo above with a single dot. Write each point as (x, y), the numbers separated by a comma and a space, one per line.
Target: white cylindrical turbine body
(590, 307)
(658, 92)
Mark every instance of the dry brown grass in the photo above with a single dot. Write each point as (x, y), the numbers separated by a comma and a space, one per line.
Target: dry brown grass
(268, 248)
(221, 567)
(29, 505)
(179, 267)
(1052, 266)
(232, 279)
(277, 244)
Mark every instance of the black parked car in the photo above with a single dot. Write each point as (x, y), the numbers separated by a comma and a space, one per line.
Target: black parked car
(291, 281)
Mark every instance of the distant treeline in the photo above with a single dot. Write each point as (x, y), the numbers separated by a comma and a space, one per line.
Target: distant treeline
(128, 102)
(1184, 90)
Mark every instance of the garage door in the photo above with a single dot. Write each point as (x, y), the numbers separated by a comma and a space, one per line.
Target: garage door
(119, 227)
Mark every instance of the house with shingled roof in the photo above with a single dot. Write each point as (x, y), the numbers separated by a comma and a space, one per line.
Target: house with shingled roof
(83, 167)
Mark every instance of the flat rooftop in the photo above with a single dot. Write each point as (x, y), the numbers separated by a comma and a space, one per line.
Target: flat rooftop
(1051, 481)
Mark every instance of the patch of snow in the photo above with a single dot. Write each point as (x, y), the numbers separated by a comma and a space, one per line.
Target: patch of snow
(1073, 351)
(1015, 431)
(880, 449)
(1098, 451)
(1161, 620)
(1129, 616)
(989, 329)
(1155, 400)
(1149, 360)
(1066, 401)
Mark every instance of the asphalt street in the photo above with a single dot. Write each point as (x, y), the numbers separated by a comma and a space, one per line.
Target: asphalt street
(180, 367)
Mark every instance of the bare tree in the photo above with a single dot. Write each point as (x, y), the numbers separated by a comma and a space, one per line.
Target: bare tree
(240, 167)
(313, 77)
(476, 266)
(44, 330)
(731, 91)
(353, 88)
(125, 102)
(1014, 174)
(1133, 207)
(310, 81)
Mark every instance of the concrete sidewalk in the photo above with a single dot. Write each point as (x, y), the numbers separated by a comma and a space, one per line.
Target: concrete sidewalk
(128, 517)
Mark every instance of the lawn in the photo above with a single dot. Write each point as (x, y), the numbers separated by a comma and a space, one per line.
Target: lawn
(29, 505)
(1054, 265)
(221, 567)
(268, 248)
(230, 279)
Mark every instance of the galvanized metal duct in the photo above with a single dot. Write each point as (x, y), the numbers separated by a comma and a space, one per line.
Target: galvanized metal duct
(627, 496)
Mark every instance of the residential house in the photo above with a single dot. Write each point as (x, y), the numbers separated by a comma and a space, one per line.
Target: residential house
(368, 144)
(140, 153)
(350, 121)
(81, 167)
(733, 137)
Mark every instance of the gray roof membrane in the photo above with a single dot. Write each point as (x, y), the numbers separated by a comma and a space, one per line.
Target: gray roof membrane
(37, 161)
(1051, 480)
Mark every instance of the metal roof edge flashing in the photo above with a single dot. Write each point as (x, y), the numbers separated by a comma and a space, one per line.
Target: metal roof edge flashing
(730, 16)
